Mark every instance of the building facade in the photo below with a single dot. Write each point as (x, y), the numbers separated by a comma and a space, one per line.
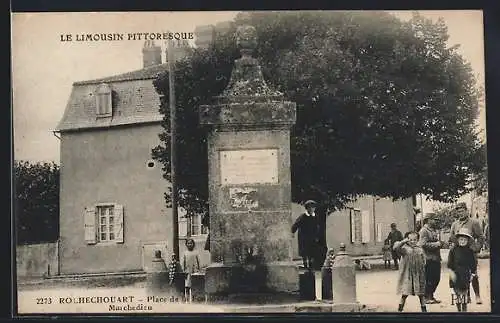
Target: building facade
(364, 224)
(113, 213)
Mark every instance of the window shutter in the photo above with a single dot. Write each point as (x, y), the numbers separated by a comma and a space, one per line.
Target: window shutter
(183, 226)
(353, 225)
(90, 225)
(365, 226)
(379, 232)
(108, 102)
(118, 213)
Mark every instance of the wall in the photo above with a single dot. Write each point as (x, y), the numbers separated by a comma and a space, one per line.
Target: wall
(36, 260)
(110, 165)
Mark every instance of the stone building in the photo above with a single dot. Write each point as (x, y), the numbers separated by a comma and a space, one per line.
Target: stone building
(112, 193)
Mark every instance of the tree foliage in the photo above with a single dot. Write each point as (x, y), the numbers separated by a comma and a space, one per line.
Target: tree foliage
(445, 216)
(480, 178)
(384, 107)
(36, 204)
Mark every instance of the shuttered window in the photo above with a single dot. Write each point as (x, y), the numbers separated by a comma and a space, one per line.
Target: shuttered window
(104, 100)
(104, 223)
(380, 232)
(355, 217)
(365, 226)
(360, 226)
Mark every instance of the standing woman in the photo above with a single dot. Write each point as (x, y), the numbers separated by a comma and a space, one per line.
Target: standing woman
(191, 265)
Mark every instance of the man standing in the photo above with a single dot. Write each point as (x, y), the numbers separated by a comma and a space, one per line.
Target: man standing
(393, 236)
(474, 227)
(309, 226)
(430, 243)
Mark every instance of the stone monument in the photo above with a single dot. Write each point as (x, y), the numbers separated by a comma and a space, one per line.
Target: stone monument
(249, 183)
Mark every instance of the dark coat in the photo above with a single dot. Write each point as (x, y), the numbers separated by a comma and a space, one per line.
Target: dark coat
(394, 236)
(311, 235)
(463, 262)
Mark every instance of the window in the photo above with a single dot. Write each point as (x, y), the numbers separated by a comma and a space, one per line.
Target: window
(103, 101)
(196, 228)
(106, 228)
(104, 223)
(360, 226)
(191, 226)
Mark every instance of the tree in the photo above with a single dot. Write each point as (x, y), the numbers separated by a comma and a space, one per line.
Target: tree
(480, 178)
(445, 216)
(36, 205)
(384, 107)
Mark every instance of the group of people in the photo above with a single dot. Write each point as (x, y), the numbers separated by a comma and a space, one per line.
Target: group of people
(189, 265)
(420, 267)
(417, 256)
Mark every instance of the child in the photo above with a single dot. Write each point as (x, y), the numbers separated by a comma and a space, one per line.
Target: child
(329, 259)
(191, 265)
(362, 264)
(174, 267)
(411, 270)
(387, 255)
(463, 267)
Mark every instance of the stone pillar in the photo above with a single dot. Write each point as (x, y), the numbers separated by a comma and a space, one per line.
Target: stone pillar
(249, 182)
(157, 279)
(344, 283)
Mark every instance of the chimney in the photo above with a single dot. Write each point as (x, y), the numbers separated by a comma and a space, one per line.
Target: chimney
(223, 27)
(204, 35)
(151, 54)
(180, 48)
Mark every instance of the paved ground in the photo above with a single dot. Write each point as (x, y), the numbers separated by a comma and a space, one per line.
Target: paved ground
(379, 287)
(376, 289)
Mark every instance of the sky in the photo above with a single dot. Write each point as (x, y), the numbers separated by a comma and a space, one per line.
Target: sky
(44, 67)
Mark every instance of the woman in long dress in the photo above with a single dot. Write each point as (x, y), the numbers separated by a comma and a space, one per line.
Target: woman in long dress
(411, 270)
(191, 265)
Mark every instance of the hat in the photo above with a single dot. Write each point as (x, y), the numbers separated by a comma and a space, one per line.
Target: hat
(310, 203)
(464, 232)
(461, 205)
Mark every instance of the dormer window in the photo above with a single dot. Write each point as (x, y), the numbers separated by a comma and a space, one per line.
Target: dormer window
(103, 101)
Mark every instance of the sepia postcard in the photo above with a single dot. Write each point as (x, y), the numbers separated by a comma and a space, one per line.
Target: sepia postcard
(250, 162)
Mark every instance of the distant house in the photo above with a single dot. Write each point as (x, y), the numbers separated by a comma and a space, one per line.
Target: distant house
(363, 225)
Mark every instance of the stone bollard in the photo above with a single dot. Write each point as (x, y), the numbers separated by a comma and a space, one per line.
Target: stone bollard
(158, 277)
(344, 283)
(307, 285)
(326, 287)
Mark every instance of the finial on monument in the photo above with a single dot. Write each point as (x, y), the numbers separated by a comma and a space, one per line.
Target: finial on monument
(246, 39)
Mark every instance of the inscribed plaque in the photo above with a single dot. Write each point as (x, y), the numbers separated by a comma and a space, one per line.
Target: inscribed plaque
(249, 166)
(243, 198)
